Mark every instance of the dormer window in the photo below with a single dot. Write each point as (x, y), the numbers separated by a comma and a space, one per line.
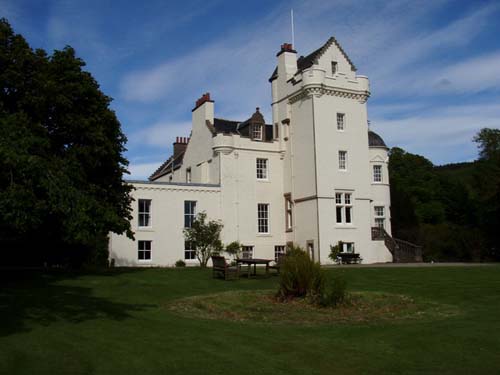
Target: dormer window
(334, 67)
(257, 132)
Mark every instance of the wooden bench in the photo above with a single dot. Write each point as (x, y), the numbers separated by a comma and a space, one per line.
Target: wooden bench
(221, 268)
(349, 258)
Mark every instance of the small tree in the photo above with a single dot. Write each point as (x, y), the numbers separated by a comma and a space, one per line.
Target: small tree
(335, 251)
(205, 235)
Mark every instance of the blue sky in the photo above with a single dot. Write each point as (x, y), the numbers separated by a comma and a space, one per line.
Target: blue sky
(434, 66)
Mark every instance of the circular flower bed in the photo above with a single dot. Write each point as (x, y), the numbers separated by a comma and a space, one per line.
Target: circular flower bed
(263, 307)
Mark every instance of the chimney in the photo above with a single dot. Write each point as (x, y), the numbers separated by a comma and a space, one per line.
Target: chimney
(202, 100)
(287, 61)
(286, 47)
(180, 145)
(202, 112)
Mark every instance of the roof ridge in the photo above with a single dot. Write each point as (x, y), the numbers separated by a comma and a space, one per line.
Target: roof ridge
(304, 62)
(225, 119)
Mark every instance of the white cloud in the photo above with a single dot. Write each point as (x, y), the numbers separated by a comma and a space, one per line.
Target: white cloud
(475, 74)
(411, 62)
(141, 171)
(443, 135)
(237, 67)
(161, 134)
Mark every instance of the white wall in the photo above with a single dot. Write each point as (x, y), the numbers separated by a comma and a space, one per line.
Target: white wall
(167, 210)
(242, 191)
(380, 191)
(311, 159)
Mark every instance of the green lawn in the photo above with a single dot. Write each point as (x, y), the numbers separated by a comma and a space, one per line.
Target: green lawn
(118, 323)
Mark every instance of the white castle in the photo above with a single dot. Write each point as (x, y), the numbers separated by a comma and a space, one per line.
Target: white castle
(315, 177)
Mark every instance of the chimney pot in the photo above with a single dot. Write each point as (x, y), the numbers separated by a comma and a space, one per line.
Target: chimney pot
(179, 146)
(286, 47)
(204, 98)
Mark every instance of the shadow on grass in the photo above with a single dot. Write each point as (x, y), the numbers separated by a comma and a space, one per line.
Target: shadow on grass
(30, 298)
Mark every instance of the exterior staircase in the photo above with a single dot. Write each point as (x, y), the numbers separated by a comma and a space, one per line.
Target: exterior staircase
(402, 251)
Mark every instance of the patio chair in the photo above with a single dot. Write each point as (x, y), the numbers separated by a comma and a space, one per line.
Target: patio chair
(221, 268)
(279, 262)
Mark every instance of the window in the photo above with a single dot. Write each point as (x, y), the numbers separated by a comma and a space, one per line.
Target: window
(347, 247)
(189, 213)
(379, 216)
(263, 218)
(276, 131)
(342, 160)
(144, 212)
(377, 173)
(288, 212)
(343, 208)
(188, 175)
(144, 250)
(257, 132)
(340, 121)
(278, 252)
(189, 250)
(261, 169)
(247, 252)
(334, 67)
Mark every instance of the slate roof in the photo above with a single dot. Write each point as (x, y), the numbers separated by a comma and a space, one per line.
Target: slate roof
(167, 166)
(375, 140)
(225, 126)
(242, 127)
(306, 62)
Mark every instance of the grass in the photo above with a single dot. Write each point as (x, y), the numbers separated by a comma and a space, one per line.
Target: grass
(120, 323)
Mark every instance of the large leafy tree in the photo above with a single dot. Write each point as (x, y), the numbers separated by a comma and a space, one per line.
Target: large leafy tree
(61, 157)
(453, 210)
(488, 187)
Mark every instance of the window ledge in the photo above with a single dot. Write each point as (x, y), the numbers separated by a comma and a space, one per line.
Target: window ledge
(145, 229)
(345, 226)
(264, 235)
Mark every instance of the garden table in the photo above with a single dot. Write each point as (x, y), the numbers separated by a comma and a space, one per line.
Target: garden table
(254, 261)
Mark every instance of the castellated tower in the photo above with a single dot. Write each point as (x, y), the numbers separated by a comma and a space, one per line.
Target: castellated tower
(319, 111)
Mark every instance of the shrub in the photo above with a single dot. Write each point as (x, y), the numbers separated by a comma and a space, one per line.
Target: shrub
(180, 263)
(335, 293)
(335, 251)
(233, 249)
(300, 276)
